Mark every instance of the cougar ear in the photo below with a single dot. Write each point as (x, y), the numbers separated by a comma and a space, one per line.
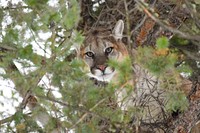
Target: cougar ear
(118, 30)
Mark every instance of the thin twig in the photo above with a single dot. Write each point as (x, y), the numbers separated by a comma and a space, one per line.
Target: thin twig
(14, 8)
(10, 119)
(128, 26)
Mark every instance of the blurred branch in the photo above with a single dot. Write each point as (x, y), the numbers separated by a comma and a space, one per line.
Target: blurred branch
(6, 120)
(128, 26)
(10, 119)
(7, 47)
(191, 55)
(14, 8)
(193, 13)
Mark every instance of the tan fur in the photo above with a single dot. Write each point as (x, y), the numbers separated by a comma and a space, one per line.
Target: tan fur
(96, 45)
(94, 37)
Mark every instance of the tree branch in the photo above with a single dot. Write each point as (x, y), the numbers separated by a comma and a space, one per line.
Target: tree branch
(148, 11)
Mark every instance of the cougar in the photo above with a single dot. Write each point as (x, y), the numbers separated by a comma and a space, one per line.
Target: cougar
(102, 45)
(99, 47)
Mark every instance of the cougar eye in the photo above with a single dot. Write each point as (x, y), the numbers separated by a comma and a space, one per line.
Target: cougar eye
(108, 50)
(90, 54)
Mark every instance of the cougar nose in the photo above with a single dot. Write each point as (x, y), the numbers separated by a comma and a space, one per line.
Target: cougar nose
(101, 67)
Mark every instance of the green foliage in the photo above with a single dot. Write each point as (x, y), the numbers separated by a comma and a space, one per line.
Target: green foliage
(185, 69)
(124, 68)
(178, 41)
(78, 39)
(71, 18)
(1, 16)
(26, 52)
(19, 117)
(32, 126)
(18, 43)
(157, 64)
(162, 43)
(87, 128)
(181, 103)
(36, 3)
(11, 36)
(39, 91)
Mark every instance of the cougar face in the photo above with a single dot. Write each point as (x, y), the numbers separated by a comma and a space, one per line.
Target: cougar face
(99, 47)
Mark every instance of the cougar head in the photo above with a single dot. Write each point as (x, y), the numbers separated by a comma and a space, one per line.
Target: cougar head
(99, 47)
